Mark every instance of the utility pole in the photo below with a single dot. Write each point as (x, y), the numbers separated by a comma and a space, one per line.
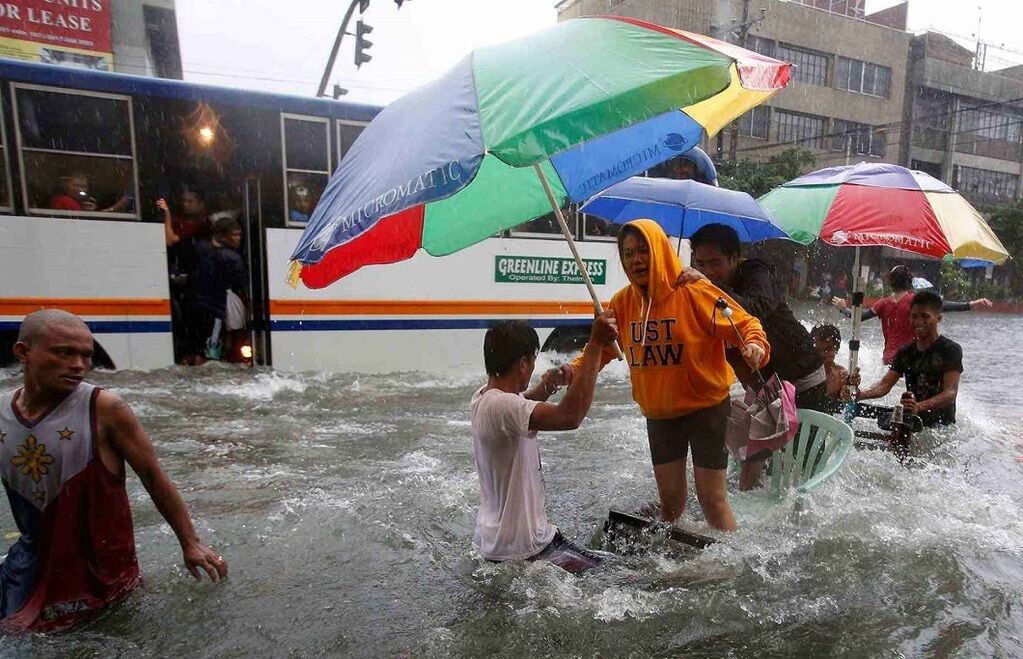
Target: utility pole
(947, 167)
(744, 26)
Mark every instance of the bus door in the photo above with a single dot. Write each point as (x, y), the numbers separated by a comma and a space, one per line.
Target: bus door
(255, 254)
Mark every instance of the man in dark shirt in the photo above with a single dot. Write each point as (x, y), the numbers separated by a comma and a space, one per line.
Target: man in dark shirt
(218, 267)
(753, 284)
(932, 366)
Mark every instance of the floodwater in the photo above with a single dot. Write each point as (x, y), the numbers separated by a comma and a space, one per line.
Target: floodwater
(345, 505)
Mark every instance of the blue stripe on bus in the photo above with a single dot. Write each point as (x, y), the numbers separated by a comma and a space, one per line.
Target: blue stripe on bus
(411, 324)
(111, 326)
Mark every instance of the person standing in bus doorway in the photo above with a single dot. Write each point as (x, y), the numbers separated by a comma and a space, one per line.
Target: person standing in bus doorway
(218, 268)
(63, 448)
(674, 344)
(182, 232)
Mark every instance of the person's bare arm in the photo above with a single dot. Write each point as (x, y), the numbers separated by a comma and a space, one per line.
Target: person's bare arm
(949, 391)
(121, 429)
(570, 412)
(169, 237)
(880, 388)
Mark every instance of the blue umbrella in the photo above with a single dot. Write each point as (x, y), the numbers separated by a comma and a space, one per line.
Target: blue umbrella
(682, 207)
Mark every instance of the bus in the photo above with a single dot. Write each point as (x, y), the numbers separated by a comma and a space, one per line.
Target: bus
(86, 156)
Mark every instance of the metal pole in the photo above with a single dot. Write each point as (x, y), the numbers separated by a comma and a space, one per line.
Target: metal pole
(854, 342)
(337, 45)
(733, 139)
(597, 306)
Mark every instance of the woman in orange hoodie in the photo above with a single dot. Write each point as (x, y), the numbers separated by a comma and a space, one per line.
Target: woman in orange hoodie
(674, 344)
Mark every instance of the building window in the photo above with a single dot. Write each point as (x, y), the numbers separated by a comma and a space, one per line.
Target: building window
(984, 184)
(808, 66)
(805, 130)
(756, 123)
(760, 45)
(77, 152)
(991, 134)
(306, 147)
(859, 139)
(863, 77)
(347, 131)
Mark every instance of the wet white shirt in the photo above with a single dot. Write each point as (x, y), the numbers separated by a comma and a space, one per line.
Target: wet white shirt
(512, 520)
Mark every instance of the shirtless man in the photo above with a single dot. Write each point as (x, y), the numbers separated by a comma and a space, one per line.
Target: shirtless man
(63, 447)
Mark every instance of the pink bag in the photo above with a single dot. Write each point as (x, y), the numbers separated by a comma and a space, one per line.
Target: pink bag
(763, 421)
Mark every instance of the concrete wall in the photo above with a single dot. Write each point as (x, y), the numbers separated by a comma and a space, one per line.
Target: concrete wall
(128, 28)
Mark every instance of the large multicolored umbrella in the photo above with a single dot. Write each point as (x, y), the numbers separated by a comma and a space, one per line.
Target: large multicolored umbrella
(877, 204)
(886, 205)
(683, 207)
(572, 109)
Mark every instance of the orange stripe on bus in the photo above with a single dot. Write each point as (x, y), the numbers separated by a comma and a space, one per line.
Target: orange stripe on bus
(19, 306)
(427, 307)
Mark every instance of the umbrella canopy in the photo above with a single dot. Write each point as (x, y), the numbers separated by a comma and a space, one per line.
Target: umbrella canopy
(886, 205)
(590, 102)
(682, 207)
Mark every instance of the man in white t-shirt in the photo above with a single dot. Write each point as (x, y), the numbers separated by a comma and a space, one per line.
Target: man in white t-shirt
(506, 415)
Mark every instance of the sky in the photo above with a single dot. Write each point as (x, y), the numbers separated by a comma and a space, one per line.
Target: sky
(283, 46)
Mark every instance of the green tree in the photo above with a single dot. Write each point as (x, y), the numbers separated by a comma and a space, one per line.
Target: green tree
(1006, 221)
(758, 178)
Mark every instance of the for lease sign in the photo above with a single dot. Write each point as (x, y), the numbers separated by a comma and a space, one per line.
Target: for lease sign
(65, 32)
(546, 270)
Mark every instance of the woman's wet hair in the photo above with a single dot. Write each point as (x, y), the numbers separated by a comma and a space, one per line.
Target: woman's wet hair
(900, 278)
(722, 236)
(928, 300)
(826, 332)
(626, 230)
(505, 343)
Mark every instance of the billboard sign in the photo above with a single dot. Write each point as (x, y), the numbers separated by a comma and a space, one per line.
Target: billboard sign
(65, 32)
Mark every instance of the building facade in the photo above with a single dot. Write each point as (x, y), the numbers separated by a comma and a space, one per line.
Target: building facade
(967, 125)
(845, 100)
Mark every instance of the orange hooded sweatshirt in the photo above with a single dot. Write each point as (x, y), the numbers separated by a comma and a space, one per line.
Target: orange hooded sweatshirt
(673, 340)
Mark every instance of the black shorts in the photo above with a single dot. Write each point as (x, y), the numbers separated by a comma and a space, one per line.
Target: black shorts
(703, 431)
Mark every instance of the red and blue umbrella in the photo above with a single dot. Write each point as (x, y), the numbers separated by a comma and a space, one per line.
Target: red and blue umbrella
(574, 108)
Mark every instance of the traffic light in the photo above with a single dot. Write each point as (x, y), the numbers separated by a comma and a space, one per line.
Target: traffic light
(362, 44)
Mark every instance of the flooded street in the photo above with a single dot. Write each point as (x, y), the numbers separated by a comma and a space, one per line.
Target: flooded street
(345, 505)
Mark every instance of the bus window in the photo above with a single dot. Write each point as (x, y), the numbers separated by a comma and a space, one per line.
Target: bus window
(546, 226)
(306, 164)
(347, 131)
(596, 228)
(77, 152)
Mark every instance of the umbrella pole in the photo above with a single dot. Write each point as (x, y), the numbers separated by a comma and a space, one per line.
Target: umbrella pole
(857, 318)
(598, 308)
